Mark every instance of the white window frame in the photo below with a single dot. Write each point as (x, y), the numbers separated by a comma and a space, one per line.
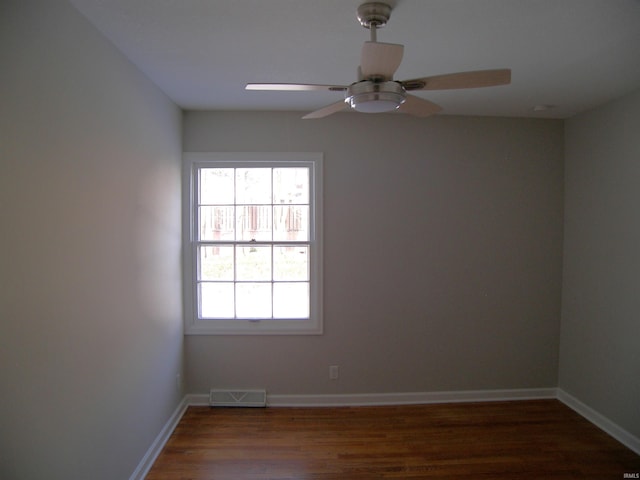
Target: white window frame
(195, 326)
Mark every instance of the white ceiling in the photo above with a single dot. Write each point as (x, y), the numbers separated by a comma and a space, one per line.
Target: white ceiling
(572, 54)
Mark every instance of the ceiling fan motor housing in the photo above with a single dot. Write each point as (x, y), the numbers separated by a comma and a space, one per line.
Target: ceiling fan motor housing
(375, 97)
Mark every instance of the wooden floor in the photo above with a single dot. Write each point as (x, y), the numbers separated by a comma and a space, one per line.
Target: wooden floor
(498, 440)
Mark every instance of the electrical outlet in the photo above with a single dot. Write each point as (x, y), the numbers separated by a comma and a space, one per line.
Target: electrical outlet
(333, 372)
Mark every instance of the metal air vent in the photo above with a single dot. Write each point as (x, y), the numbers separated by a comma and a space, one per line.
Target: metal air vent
(237, 398)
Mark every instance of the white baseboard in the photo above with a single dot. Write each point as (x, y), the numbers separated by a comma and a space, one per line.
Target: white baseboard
(409, 398)
(158, 444)
(197, 399)
(600, 421)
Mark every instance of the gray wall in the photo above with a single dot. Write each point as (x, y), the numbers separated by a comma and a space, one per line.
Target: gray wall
(90, 310)
(600, 339)
(442, 255)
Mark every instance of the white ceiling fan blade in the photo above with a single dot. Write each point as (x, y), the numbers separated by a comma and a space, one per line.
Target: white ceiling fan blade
(419, 107)
(451, 81)
(380, 59)
(294, 87)
(326, 111)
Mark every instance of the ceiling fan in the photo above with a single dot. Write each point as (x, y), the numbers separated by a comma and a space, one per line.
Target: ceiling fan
(376, 90)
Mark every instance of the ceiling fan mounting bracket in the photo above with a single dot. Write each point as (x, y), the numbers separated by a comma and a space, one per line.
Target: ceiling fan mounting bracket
(374, 14)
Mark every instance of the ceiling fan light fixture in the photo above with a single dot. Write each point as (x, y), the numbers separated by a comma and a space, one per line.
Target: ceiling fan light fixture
(373, 97)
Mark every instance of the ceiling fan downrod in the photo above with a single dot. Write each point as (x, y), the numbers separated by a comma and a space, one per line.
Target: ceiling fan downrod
(374, 15)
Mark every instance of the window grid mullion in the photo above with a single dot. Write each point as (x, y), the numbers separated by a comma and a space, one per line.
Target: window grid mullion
(235, 281)
(272, 264)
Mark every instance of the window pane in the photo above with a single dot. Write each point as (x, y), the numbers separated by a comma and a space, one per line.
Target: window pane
(291, 185)
(216, 263)
(291, 263)
(216, 223)
(253, 300)
(216, 300)
(253, 185)
(254, 222)
(216, 186)
(253, 263)
(291, 223)
(291, 300)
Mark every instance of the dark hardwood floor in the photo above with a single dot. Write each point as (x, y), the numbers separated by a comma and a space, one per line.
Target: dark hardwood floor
(541, 439)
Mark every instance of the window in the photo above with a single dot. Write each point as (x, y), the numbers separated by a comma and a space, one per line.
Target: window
(253, 243)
